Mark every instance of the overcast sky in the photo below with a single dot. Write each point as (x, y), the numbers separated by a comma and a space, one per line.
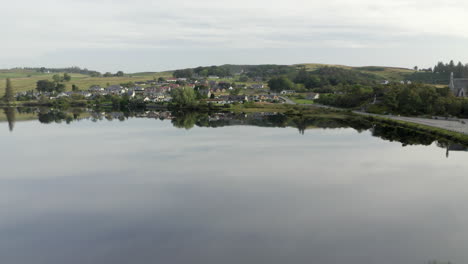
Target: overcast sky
(150, 35)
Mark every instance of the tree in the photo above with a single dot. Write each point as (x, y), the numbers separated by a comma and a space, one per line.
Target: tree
(243, 78)
(235, 91)
(107, 74)
(75, 88)
(57, 78)
(60, 87)
(278, 84)
(183, 96)
(49, 86)
(95, 74)
(128, 84)
(45, 86)
(185, 120)
(66, 77)
(119, 74)
(10, 113)
(9, 95)
(187, 73)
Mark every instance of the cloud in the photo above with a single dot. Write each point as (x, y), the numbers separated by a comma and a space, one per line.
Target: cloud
(38, 28)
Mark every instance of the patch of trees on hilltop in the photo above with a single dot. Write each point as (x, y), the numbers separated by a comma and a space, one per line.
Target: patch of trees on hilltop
(251, 71)
(267, 71)
(322, 80)
(66, 70)
(220, 71)
(440, 74)
(332, 76)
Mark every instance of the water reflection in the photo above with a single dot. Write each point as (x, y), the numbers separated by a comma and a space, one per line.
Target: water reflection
(10, 114)
(189, 120)
(144, 191)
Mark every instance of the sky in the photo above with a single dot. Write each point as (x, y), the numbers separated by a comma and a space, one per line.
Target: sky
(150, 35)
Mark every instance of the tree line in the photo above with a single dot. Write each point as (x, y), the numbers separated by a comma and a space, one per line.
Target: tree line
(396, 98)
(320, 80)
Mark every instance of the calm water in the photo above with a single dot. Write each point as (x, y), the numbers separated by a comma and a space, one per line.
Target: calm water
(144, 191)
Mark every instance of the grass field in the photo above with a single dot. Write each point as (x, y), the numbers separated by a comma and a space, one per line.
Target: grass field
(23, 81)
(301, 101)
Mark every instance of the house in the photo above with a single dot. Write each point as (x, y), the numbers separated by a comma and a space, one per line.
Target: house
(173, 80)
(151, 91)
(218, 90)
(265, 98)
(204, 92)
(115, 89)
(312, 96)
(257, 86)
(213, 77)
(85, 94)
(131, 93)
(285, 92)
(229, 99)
(212, 83)
(165, 89)
(458, 86)
(96, 88)
(216, 101)
(60, 95)
(160, 98)
(174, 86)
(385, 82)
(139, 90)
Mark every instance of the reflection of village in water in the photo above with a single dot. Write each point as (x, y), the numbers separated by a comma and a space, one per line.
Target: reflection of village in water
(188, 120)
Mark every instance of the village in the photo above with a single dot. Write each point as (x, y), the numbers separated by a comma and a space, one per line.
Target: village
(213, 89)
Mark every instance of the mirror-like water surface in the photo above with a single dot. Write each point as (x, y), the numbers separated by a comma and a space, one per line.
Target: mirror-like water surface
(150, 191)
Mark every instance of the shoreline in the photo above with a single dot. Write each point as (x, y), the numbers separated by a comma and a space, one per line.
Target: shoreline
(455, 130)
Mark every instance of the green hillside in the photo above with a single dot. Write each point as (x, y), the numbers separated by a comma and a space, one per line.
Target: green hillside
(26, 79)
(384, 73)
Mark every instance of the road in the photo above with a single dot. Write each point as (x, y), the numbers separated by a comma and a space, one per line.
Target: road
(455, 125)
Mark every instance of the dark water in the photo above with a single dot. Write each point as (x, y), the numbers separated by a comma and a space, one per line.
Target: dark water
(146, 191)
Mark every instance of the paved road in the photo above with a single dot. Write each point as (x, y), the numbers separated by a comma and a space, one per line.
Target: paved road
(455, 125)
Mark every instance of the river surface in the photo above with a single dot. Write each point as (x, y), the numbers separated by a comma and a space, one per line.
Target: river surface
(146, 191)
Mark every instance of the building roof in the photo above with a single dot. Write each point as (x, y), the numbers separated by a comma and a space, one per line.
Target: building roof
(458, 86)
(460, 83)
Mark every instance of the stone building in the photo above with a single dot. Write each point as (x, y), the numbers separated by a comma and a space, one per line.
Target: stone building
(458, 86)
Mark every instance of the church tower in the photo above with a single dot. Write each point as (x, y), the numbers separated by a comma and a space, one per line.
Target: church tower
(452, 84)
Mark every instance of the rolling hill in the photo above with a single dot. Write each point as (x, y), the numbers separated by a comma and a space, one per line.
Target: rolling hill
(26, 79)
